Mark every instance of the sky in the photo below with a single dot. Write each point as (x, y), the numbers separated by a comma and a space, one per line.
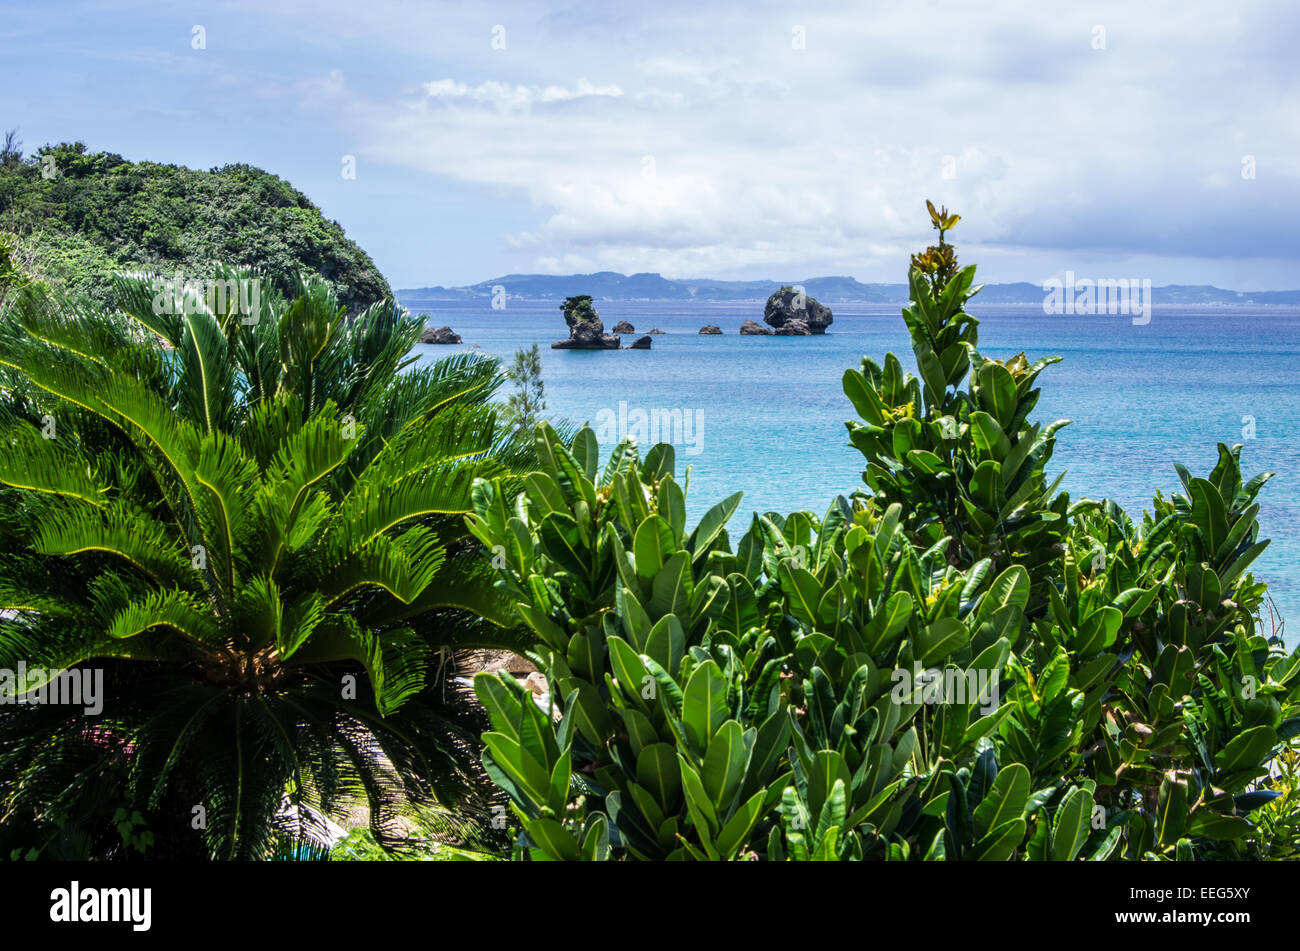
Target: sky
(748, 140)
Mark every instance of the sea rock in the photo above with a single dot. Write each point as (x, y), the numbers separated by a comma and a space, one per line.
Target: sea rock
(585, 338)
(586, 329)
(710, 329)
(439, 335)
(623, 327)
(657, 331)
(754, 327)
(789, 305)
(641, 343)
(795, 328)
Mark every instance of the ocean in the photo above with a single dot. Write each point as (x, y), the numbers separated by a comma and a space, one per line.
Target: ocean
(766, 414)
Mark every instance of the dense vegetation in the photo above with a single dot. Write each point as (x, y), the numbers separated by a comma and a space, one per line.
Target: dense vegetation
(960, 663)
(88, 215)
(252, 524)
(578, 309)
(273, 536)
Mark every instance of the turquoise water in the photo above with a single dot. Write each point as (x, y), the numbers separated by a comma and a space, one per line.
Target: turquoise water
(768, 412)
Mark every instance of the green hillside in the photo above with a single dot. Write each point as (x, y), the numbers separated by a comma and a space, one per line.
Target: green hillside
(84, 215)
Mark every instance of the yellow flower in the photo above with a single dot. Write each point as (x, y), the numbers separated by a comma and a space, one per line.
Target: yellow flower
(942, 220)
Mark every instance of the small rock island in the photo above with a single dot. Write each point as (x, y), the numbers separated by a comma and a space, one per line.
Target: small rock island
(710, 329)
(641, 343)
(794, 314)
(586, 329)
(754, 328)
(439, 335)
(623, 327)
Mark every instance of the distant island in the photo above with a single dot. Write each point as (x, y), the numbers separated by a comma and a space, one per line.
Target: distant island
(610, 285)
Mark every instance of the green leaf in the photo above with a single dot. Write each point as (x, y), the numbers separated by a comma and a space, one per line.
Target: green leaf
(586, 452)
(1107, 846)
(672, 588)
(527, 774)
(1011, 587)
(712, 524)
(595, 845)
(738, 827)
(741, 610)
(635, 620)
(926, 462)
(709, 599)
(667, 643)
(770, 745)
(640, 731)
(652, 545)
(802, 592)
(830, 821)
(1006, 800)
(1171, 810)
(545, 493)
(561, 542)
(997, 392)
(888, 623)
(1097, 631)
(725, 762)
(657, 771)
(1214, 825)
(500, 695)
(564, 467)
(1070, 824)
(936, 641)
(1001, 843)
(1208, 513)
(659, 462)
(698, 803)
(1243, 562)
(672, 506)
(704, 703)
(553, 839)
(988, 435)
(1248, 750)
(628, 669)
(864, 397)
(931, 372)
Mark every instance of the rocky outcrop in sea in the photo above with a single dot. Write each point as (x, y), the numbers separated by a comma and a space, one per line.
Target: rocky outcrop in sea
(586, 329)
(794, 314)
(623, 327)
(641, 343)
(710, 329)
(755, 328)
(439, 335)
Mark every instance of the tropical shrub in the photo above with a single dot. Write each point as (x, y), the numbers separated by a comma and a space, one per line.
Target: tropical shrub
(525, 406)
(252, 524)
(965, 464)
(958, 664)
(578, 309)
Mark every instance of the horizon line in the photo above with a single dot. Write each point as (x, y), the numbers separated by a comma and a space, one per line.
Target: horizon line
(804, 281)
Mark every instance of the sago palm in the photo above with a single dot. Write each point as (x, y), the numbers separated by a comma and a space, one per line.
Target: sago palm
(252, 519)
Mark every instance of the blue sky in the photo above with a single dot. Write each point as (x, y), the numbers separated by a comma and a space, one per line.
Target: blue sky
(729, 140)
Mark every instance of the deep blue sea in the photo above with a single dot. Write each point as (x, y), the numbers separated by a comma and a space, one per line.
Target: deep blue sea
(767, 413)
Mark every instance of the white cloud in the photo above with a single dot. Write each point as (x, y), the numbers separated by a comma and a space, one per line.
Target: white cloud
(703, 143)
(513, 96)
